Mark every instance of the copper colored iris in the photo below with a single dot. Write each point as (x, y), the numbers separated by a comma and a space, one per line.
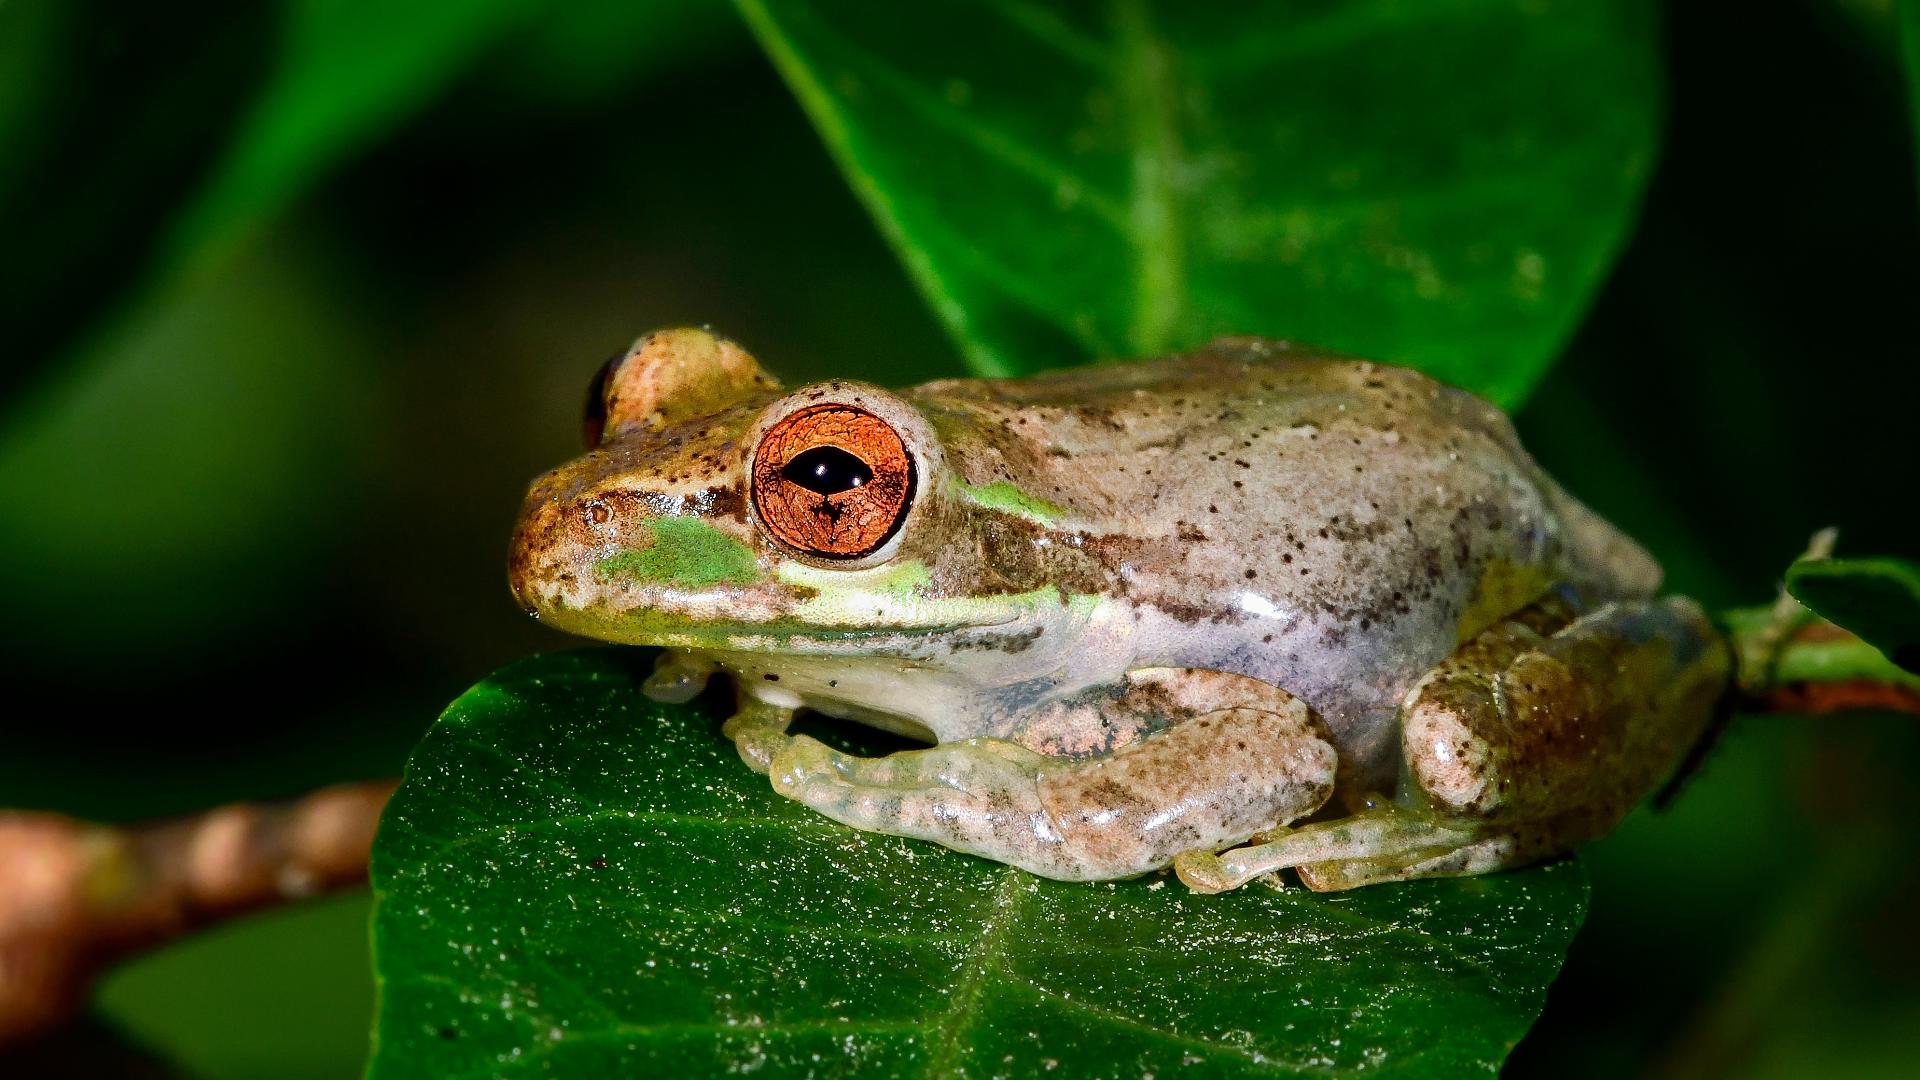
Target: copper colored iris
(832, 481)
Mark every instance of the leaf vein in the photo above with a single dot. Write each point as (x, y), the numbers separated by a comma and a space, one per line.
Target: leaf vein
(963, 1006)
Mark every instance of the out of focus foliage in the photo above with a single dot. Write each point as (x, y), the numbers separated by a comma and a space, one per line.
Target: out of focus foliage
(297, 295)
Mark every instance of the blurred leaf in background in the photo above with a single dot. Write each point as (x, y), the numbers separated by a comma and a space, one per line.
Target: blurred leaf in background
(233, 123)
(1442, 186)
(111, 116)
(1910, 53)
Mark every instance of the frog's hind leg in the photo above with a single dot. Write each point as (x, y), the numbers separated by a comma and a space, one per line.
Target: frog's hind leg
(1209, 780)
(1535, 736)
(1387, 844)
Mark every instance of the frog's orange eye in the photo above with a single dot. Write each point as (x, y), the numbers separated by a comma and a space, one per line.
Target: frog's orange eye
(832, 481)
(593, 421)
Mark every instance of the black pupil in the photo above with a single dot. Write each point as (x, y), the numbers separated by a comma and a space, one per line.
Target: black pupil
(827, 470)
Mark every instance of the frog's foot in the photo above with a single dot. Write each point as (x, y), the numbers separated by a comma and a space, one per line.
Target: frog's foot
(1391, 844)
(1377, 845)
(759, 731)
(678, 677)
(1208, 781)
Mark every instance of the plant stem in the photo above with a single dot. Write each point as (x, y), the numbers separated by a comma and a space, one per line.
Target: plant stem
(76, 895)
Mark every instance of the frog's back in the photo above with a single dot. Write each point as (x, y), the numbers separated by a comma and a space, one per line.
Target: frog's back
(1332, 526)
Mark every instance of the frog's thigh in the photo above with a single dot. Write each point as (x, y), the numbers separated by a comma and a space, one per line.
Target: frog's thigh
(1210, 779)
(1537, 735)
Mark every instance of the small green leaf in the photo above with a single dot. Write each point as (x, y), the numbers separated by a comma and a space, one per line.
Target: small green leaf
(1442, 185)
(576, 881)
(1876, 599)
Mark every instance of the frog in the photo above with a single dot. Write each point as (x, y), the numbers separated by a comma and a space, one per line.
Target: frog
(1251, 608)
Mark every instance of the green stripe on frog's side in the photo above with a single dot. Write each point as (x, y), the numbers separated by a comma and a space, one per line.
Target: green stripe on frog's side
(901, 585)
(1004, 497)
(898, 596)
(685, 551)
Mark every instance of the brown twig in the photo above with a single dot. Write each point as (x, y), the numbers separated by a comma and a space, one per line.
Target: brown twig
(75, 896)
(1814, 668)
(1817, 698)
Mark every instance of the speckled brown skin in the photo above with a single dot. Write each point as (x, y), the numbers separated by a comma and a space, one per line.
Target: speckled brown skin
(1250, 514)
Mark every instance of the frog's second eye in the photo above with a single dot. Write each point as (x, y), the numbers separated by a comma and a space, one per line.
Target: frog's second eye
(593, 420)
(832, 481)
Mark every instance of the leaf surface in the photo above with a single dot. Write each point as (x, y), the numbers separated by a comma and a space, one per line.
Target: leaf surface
(1439, 184)
(1877, 599)
(574, 880)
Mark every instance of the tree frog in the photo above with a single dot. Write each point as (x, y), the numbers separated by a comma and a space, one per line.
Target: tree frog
(1252, 607)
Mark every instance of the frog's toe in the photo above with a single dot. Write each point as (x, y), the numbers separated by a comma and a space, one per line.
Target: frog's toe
(677, 677)
(759, 733)
(1202, 872)
(803, 760)
(1377, 845)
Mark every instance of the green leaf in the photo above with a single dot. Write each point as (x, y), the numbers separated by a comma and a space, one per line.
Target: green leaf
(576, 881)
(1876, 599)
(1442, 184)
(348, 71)
(110, 115)
(153, 138)
(1910, 53)
(1818, 653)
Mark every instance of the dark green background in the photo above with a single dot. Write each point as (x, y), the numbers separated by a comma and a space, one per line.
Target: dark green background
(259, 455)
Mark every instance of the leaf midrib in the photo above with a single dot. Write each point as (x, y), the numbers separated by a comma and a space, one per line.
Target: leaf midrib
(952, 1024)
(1144, 75)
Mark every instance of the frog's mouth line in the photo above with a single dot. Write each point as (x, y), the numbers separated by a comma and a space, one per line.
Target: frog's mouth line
(632, 629)
(723, 635)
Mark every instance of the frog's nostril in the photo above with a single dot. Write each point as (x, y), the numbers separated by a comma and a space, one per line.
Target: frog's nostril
(599, 514)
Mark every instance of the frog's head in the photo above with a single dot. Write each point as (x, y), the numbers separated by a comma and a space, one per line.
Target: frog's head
(713, 510)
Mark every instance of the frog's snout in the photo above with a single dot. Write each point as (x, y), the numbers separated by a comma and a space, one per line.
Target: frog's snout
(586, 553)
(560, 533)
(535, 548)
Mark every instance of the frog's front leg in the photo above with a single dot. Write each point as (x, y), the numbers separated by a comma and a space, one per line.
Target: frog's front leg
(1537, 735)
(1213, 777)
(757, 727)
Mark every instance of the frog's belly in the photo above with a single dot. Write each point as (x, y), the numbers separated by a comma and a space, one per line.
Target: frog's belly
(1353, 681)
